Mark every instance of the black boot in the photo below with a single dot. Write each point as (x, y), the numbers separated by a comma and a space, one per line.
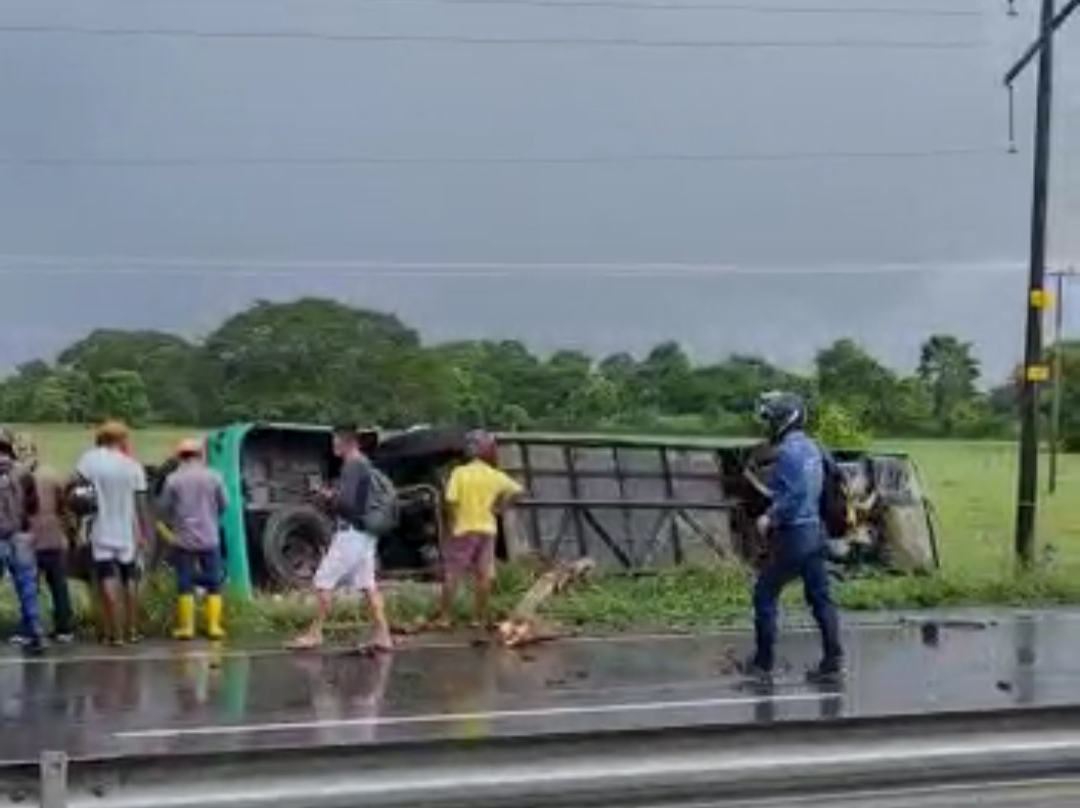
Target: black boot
(829, 671)
(753, 669)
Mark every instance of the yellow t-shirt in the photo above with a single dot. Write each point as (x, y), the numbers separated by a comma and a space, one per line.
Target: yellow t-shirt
(472, 492)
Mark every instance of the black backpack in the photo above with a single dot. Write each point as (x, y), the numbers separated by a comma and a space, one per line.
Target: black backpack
(381, 517)
(835, 503)
(80, 497)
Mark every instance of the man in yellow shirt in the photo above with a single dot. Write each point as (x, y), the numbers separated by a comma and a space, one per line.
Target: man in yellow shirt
(476, 494)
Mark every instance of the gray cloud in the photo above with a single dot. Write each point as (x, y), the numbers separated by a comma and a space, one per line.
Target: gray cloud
(69, 96)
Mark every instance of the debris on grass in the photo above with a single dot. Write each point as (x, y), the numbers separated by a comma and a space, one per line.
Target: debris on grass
(523, 625)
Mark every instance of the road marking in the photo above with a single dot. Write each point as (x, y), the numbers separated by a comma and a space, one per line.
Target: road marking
(493, 715)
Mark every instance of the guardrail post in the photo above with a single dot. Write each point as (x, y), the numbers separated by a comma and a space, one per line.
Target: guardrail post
(54, 775)
(570, 464)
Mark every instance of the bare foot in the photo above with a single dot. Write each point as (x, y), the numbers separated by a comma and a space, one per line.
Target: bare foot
(307, 641)
(382, 644)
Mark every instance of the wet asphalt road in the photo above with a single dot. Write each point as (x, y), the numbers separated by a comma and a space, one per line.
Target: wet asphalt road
(1031, 794)
(91, 702)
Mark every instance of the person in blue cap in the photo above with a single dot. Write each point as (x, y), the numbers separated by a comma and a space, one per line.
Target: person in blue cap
(793, 527)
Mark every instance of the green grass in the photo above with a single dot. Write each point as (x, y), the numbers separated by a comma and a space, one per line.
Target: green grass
(973, 488)
(972, 485)
(61, 446)
(692, 598)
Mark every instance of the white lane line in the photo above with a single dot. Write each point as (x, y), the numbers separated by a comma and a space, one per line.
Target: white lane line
(494, 715)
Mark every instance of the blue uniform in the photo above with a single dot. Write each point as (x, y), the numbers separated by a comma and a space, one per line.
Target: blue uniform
(799, 548)
(796, 481)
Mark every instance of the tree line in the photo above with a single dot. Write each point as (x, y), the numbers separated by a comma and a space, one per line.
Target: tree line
(315, 360)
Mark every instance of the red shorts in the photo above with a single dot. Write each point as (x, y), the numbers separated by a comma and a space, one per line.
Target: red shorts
(469, 553)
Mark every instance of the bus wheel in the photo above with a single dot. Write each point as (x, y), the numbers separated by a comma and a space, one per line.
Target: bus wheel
(293, 542)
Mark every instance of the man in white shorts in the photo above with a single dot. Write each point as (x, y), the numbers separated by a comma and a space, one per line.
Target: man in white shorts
(116, 529)
(362, 494)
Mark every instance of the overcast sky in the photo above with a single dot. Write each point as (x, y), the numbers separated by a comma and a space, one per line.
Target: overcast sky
(248, 229)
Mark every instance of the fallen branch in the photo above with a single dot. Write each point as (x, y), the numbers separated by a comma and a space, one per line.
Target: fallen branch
(522, 626)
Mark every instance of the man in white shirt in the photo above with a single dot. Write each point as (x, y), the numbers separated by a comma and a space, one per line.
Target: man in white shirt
(117, 528)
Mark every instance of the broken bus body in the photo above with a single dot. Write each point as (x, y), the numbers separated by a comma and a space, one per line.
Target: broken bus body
(631, 504)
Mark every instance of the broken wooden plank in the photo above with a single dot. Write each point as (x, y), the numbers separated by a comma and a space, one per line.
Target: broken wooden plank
(522, 626)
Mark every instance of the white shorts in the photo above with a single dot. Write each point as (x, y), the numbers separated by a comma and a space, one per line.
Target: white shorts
(121, 555)
(349, 563)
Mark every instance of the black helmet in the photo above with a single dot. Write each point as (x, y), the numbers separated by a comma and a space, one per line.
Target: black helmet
(80, 496)
(781, 412)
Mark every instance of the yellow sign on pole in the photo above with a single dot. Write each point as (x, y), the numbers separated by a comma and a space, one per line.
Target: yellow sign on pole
(1038, 373)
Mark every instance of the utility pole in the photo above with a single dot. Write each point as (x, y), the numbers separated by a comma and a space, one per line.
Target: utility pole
(1059, 276)
(1035, 372)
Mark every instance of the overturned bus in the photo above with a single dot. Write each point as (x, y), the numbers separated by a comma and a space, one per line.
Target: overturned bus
(631, 504)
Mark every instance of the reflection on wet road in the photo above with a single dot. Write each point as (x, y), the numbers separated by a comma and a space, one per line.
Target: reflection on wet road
(163, 698)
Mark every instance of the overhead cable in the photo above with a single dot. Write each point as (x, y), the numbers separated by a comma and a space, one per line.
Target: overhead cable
(641, 5)
(228, 267)
(343, 37)
(180, 161)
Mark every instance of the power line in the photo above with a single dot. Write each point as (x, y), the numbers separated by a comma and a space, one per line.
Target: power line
(631, 5)
(23, 264)
(584, 159)
(452, 39)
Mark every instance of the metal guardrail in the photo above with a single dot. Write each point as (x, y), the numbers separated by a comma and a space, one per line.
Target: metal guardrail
(834, 761)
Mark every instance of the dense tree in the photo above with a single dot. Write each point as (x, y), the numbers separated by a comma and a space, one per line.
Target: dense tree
(310, 360)
(165, 362)
(1070, 394)
(948, 368)
(567, 400)
(847, 375)
(318, 360)
(663, 378)
(120, 394)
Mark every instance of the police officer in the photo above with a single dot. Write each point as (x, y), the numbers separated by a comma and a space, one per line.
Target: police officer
(793, 525)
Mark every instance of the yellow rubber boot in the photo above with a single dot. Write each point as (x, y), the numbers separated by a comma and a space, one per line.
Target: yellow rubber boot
(214, 608)
(185, 618)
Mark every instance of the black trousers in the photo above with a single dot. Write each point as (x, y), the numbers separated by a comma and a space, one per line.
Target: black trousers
(52, 566)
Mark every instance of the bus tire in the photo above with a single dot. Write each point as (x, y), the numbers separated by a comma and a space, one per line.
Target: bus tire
(293, 542)
(427, 443)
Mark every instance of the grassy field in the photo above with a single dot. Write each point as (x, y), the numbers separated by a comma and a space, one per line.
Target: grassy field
(61, 446)
(973, 488)
(971, 484)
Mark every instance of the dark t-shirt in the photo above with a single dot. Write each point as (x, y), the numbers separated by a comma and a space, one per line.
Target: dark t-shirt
(353, 488)
(28, 506)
